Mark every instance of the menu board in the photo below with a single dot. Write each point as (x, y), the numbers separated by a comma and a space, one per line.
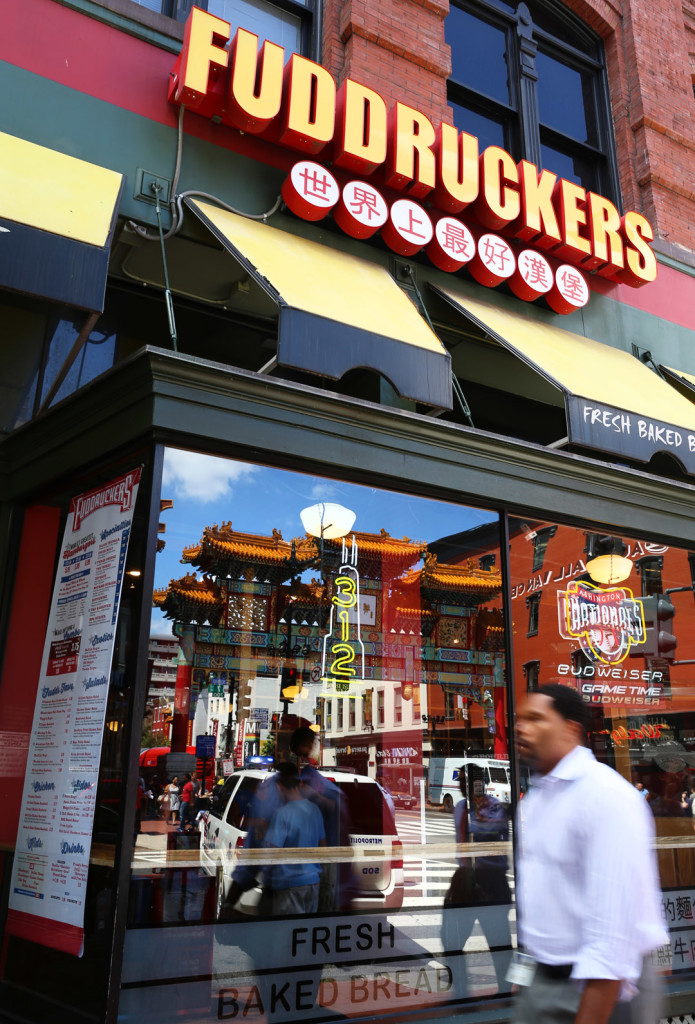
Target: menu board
(49, 877)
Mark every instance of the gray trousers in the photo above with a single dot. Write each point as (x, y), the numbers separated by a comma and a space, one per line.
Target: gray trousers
(556, 1001)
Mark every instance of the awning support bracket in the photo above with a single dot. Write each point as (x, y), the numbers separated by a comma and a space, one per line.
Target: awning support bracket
(645, 356)
(269, 366)
(157, 188)
(455, 383)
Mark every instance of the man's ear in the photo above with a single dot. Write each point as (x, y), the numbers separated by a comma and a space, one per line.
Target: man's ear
(578, 732)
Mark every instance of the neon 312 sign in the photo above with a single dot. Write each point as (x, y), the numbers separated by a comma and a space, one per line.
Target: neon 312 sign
(342, 661)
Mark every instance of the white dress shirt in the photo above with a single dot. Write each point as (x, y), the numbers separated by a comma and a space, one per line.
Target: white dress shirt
(588, 886)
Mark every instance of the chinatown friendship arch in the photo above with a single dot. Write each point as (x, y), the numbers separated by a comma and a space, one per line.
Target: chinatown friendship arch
(246, 613)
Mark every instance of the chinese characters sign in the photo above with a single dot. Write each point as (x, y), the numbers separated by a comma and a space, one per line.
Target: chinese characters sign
(360, 210)
(223, 75)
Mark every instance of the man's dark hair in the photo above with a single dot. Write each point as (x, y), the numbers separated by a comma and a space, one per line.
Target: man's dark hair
(288, 775)
(301, 736)
(568, 703)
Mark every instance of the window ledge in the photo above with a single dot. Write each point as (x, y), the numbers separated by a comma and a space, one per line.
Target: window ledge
(133, 18)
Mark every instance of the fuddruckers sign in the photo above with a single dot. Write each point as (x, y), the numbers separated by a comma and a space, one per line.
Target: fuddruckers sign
(297, 105)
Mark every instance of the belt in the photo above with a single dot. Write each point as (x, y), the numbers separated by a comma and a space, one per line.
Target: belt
(558, 972)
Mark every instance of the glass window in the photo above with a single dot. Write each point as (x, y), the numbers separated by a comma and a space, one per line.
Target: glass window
(573, 166)
(380, 711)
(532, 670)
(268, 21)
(398, 622)
(565, 99)
(533, 605)
(538, 67)
(634, 670)
(478, 54)
(540, 543)
(287, 22)
(488, 130)
(649, 569)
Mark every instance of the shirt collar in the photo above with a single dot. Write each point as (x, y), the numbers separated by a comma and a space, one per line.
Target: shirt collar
(571, 767)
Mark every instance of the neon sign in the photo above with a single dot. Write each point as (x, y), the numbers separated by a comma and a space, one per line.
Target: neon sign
(342, 661)
(607, 623)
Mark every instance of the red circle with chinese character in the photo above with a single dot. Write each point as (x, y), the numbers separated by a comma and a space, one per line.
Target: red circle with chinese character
(570, 290)
(310, 191)
(452, 245)
(362, 210)
(494, 261)
(533, 276)
(408, 228)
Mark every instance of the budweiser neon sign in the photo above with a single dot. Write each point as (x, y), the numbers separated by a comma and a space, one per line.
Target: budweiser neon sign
(607, 623)
(296, 104)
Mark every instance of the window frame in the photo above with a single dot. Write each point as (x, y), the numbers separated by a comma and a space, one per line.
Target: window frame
(524, 132)
(308, 14)
(533, 603)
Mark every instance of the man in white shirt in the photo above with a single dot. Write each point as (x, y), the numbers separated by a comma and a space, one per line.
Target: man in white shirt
(588, 887)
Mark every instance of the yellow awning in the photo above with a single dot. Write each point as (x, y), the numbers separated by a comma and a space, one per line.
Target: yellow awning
(58, 215)
(336, 311)
(614, 402)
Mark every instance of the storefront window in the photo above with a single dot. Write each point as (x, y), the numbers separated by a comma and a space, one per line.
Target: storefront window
(304, 848)
(603, 627)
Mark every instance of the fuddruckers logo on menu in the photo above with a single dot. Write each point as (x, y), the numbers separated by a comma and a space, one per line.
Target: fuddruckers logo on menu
(297, 105)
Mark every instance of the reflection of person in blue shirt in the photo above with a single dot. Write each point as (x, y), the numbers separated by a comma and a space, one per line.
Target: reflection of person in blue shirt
(337, 881)
(298, 824)
(488, 823)
(268, 799)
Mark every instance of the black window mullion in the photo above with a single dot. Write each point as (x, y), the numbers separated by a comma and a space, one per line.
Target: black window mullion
(580, 50)
(528, 92)
(551, 136)
(565, 51)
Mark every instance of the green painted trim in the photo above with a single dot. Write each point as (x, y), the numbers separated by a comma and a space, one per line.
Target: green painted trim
(674, 264)
(133, 26)
(159, 396)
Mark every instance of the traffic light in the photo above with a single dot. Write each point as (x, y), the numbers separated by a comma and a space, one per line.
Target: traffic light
(290, 684)
(660, 641)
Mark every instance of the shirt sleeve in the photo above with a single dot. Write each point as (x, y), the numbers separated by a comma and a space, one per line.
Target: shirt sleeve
(618, 877)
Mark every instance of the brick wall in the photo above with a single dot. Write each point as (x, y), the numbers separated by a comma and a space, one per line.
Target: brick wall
(397, 47)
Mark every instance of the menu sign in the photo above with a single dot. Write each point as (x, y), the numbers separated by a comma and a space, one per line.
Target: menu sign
(49, 878)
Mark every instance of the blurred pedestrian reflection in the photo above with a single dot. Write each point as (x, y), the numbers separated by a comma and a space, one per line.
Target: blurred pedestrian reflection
(297, 824)
(479, 889)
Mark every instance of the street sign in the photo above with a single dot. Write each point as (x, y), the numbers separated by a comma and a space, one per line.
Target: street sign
(205, 746)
